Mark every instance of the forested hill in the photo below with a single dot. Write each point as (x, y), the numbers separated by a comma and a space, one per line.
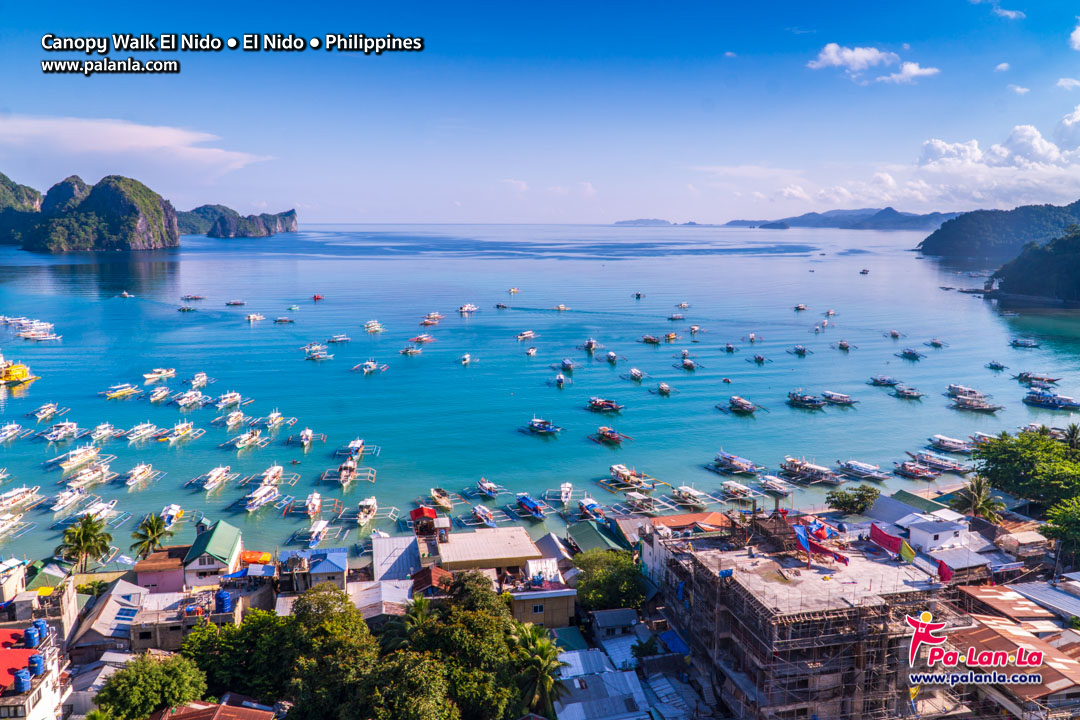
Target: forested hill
(1000, 233)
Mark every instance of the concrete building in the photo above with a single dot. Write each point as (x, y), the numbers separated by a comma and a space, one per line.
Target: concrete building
(501, 549)
(301, 570)
(33, 681)
(931, 535)
(163, 570)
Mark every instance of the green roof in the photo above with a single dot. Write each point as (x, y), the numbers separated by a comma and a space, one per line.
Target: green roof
(918, 501)
(587, 535)
(219, 542)
(569, 638)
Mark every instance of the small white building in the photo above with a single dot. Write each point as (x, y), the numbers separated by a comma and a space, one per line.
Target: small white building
(933, 535)
(215, 552)
(31, 685)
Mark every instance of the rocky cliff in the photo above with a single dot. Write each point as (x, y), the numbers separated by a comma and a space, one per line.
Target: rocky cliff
(233, 225)
(198, 221)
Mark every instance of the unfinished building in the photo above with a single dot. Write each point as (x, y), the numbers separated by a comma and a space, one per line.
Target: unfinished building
(781, 640)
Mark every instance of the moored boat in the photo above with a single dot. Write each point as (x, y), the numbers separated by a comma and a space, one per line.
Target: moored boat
(691, 496)
(861, 470)
(317, 533)
(216, 477)
(365, 511)
(442, 498)
(260, 496)
(139, 473)
(67, 498)
(539, 426)
(950, 444)
(313, 504)
(18, 496)
(798, 399)
(530, 506)
(915, 471)
(171, 514)
(773, 484)
(884, 381)
(590, 508)
(487, 488)
(835, 398)
(602, 405)
(566, 492)
(483, 514)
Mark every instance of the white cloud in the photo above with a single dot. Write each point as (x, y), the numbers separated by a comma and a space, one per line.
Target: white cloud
(794, 192)
(1008, 14)
(935, 150)
(1068, 83)
(730, 54)
(1019, 90)
(519, 185)
(853, 60)
(1001, 67)
(885, 180)
(558, 190)
(1074, 37)
(1067, 132)
(909, 72)
(111, 138)
(693, 190)
(587, 190)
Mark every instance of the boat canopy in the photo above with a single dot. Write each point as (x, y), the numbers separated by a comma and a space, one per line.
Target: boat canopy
(252, 571)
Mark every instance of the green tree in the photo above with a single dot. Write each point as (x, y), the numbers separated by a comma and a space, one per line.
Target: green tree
(149, 536)
(474, 591)
(145, 685)
(398, 631)
(84, 540)
(1031, 465)
(539, 678)
(975, 499)
(645, 649)
(1072, 436)
(853, 502)
(93, 588)
(335, 651)
(405, 685)
(99, 714)
(1063, 525)
(254, 658)
(609, 579)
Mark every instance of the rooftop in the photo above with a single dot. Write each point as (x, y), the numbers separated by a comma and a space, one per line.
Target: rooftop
(496, 546)
(588, 535)
(389, 597)
(584, 662)
(938, 526)
(394, 558)
(1050, 596)
(1006, 602)
(211, 711)
(431, 577)
(219, 541)
(170, 557)
(917, 501)
(319, 562)
(620, 617)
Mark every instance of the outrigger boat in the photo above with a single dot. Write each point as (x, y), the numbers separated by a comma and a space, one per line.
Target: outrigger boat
(159, 374)
(950, 444)
(981, 438)
(260, 496)
(199, 380)
(216, 477)
(691, 496)
(18, 496)
(9, 431)
(307, 435)
(365, 511)
(77, 457)
(487, 488)
(664, 389)
(190, 298)
(843, 345)
(621, 473)
(936, 343)
(975, 405)
(235, 303)
(369, 366)
(484, 515)
(428, 321)
(466, 359)
(254, 317)
(137, 474)
(736, 490)
(442, 498)
(347, 471)
(566, 493)
(741, 406)
(171, 513)
(272, 475)
(939, 462)
(635, 375)
(1024, 343)
(122, 390)
(567, 365)
(955, 390)
(1030, 377)
(800, 307)
(996, 366)
(800, 351)
(641, 503)
(835, 398)
(861, 470)
(318, 532)
(229, 399)
(539, 426)
(313, 504)
(67, 498)
(590, 346)
(283, 320)
(533, 508)
(355, 448)
(421, 339)
(650, 339)
(758, 359)
(159, 393)
(190, 399)
(525, 335)
(601, 405)
(688, 364)
(531, 352)
(915, 471)
(247, 439)
(612, 357)
(234, 418)
(773, 484)
(61, 431)
(92, 475)
(806, 472)
(318, 355)
(1050, 400)
(468, 308)
(733, 464)
(179, 431)
(895, 334)
(374, 326)
(141, 431)
(339, 338)
(906, 393)
(410, 350)
(9, 522)
(590, 508)
(910, 354)
(98, 510)
(560, 308)
(605, 434)
(676, 316)
(799, 399)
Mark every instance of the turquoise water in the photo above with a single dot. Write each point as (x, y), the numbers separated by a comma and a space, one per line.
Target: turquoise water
(441, 424)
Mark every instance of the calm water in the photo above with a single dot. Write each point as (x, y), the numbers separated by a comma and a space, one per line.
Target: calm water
(441, 424)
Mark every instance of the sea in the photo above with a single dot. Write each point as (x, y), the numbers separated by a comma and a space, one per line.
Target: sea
(439, 423)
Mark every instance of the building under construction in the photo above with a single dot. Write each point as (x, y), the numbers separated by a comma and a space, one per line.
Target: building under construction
(782, 640)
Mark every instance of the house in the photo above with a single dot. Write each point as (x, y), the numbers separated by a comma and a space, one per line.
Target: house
(1061, 598)
(550, 546)
(595, 690)
(501, 549)
(1005, 602)
(380, 601)
(215, 552)
(49, 594)
(541, 597)
(608, 623)
(586, 535)
(936, 534)
(163, 570)
(394, 558)
(165, 619)
(431, 581)
(87, 680)
(304, 569)
(106, 624)
(1027, 546)
(200, 710)
(12, 579)
(33, 678)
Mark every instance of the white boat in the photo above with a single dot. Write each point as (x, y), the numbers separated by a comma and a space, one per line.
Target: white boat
(355, 447)
(9, 431)
(531, 352)
(365, 511)
(862, 470)
(260, 496)
(137, 474)
(104, 431)
(566, 492)
(159, 393)
(339, 338)
(691, 496)
(78, 457)
(190, 398)
(561, 308)
(347, 471)
(254, 317)
(835, 398)
(467, 308)
(317, 534)
(98, 510)
(773, 484)
(274, 418)
(484, 515)
(228, 399)
(142, 430)
(612, 357)
(641, 503)
(735, 489)
(180, 431)
(487, 488)
(313, 504)
(525, 335)
(248, 439)
(199, 380)
(171, 513)
(636, 374)
(950, 444)
(466, 359)
(62, 431)
(17, 496)
(160, 373)
(67, 498)
(8, 522)
(306, 436)
(590, 508)
(234, 418)
(46, 411)
(92, 475)
(216, 477)
(272, 475)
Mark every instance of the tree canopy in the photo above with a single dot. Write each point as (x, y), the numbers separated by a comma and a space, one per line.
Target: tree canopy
(1031, 465)
(146, 684)
(853, 502)
(609, 579)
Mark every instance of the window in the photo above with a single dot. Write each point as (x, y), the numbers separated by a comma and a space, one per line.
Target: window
(206, 560)
(538, 609)
(145, 635)
(935, 537)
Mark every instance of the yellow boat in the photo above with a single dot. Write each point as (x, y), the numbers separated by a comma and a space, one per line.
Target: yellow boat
(120, 391)
(14, 373)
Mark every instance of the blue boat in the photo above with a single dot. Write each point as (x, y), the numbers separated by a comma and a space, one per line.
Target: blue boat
(484, 515)
(590, 508)
(526, 503)
(539, 426)
(1044, 398)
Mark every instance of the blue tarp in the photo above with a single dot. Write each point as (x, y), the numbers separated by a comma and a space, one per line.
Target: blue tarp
(251, 571)
(674, 643)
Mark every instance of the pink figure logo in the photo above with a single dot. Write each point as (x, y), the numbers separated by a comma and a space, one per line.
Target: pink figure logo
(924, 633)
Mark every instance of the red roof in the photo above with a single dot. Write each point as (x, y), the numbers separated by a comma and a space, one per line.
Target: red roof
(12, 659)
(422, 512)
(211, 711)
(431, 577)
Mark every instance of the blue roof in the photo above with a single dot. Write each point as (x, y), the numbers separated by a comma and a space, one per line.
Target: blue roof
(395, 558)
(674, 643)
(320, 562)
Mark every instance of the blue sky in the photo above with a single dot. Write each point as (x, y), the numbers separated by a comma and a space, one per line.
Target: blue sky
(561, 112)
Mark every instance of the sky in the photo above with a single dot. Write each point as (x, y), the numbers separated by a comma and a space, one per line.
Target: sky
(562, 112)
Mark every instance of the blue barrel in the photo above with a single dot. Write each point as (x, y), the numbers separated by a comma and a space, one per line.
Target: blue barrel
(22, 681)
(36, 666)
(30, 637)
(42, 629)
(222, 602)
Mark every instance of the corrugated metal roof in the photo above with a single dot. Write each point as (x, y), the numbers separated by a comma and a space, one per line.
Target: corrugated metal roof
(959, 558)
(889, 510)
(917, 501)
(394, 558)
(1058, 601)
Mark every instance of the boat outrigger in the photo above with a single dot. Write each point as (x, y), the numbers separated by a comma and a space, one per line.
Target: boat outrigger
(773, 484)
(835, 398)
(159, 374)
(730, 464)
(313, 504)
(611, 436)
(216, 477)
(996, 366)
(539, 426)
(487, 488)
(442, 498)
(907, 393)
(939, 462)
(566, 493)
(975, 404)
(798, 399)
(260, 496)
(317, 533)
(366, 510)
(601, 405)
(484, 515)
(171, 514)
(1024, 342)
(861, 470)
(139, 473)
(590, 508)
(693, 497)
(910, 354)
(530, 506)
(884, 381)
(740, 406)
(77, 457)
(808, 473)
(915, 471)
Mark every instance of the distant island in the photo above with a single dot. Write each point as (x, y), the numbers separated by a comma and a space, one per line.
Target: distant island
(644, 222)
(778, 225)
(219, 221)
(1000, 233)
(861, 219)
(1050, 270)
(117, 213)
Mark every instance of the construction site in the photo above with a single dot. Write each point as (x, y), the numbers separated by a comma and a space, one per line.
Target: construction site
(782, 638)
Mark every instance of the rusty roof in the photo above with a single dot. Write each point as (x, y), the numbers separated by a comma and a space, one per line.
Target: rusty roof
(1006, 602)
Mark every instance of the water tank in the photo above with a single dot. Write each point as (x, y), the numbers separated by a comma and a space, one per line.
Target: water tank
(30, 637)
(222, 602)
(36, 666)
(42, 629)
(22, 681)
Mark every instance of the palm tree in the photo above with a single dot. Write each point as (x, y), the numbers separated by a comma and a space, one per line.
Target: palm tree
(538, 679)
(99, 714)
(528, 636)
(399, 631)
(975, 499)
(84, 540)
(1072, 436)
(149, 535)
